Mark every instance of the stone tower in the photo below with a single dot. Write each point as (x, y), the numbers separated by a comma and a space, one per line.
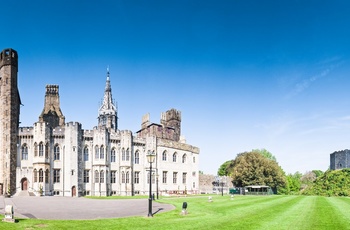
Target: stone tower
(52, 113)
(172, 119)
(9, 120)
(107, 114)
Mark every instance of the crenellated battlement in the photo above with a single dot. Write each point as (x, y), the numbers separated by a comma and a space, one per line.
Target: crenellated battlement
(171, 114)
(52, 89)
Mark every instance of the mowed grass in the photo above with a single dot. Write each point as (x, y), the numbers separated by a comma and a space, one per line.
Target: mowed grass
(243, 212)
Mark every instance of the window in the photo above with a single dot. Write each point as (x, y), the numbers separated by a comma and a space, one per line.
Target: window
(123, 177)
(86, 176)
(41, 149)
(102, 177)
(113, 155)
(56, 176)
(194, 160)
(47, 150)
(123, 154)
(97, 175)
(184, 158)
(56, 153)
(47, 176)
(35, 149)
(174, 177)
(127, 178)
(137, 157)
(137, 177)
(194, 184)
(113, 176)
(165, 174)
(41, 175)
(35, 175)
(102, 152)
(193, 173)
(164, 156)
(86, 154)
(24, 152)
(127, 157)
(184, 175)
(96, 152)
(174, 157)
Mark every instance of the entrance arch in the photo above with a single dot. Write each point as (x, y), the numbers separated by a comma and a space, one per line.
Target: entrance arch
(24, 184)
(74, 191)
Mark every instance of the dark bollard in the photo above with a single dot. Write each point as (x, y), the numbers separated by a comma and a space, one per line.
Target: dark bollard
(184, 208)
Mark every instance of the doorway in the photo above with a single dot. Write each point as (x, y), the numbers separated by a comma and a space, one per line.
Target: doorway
(74, 191)
(24, 184)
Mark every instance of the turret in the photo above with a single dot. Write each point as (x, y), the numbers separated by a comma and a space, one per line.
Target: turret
(52, 113)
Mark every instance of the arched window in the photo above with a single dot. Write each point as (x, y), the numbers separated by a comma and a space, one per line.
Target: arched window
(137, 157)
(35, 175)
(164, 156)
(102, 176)
(113, 155)
(47, 176)
(184, 158)
(123, 154)
(41, 175)
(35, 149)
(174, 157)
(86, 154)
(47, 150)
(97, 179)
(102, 152)
(127, 157)
(41, 149)
(127, 178)
(56, 153)
(96, 152)
(24, 152)
(123, 177)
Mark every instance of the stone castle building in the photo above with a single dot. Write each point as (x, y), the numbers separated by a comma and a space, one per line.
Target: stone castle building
(340, 159)
(57, 158)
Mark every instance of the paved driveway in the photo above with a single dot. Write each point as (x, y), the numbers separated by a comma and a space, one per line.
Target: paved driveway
(79, 208)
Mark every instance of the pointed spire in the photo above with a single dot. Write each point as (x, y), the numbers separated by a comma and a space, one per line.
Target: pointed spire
(108, 111)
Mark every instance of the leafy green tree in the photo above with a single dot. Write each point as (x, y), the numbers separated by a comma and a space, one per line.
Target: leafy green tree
(223, 171)
(318, 173)
(252, 168)
(293, 183)
(265, 153)
(331, 183)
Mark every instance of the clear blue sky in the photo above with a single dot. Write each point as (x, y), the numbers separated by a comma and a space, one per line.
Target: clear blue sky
(245, 74)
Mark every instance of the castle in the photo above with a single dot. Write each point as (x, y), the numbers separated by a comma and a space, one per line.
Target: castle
(340, 159)
(57, 158)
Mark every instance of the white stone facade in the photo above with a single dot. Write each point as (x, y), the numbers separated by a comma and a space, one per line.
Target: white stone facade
(57, 158)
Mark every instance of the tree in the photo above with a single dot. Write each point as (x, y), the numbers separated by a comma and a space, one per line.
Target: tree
(293, 183)
(223, 169)
(252, 168)
(265, 153)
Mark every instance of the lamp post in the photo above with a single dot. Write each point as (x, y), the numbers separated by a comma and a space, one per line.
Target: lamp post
(150, 158)
(157, 176)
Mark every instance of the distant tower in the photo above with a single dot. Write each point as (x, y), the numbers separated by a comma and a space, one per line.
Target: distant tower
(52, 113)
(107, 114)
(172, 119)
(9, 120)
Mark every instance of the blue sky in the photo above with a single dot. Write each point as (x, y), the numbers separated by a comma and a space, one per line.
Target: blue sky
(245, 74)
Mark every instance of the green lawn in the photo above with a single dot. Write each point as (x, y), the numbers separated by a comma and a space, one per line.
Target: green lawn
(243, 212)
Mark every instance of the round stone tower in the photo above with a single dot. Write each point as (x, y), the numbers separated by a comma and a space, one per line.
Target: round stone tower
(9, 120)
